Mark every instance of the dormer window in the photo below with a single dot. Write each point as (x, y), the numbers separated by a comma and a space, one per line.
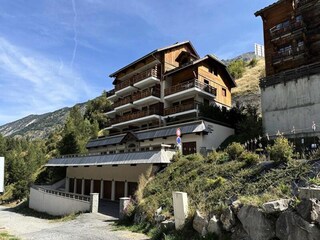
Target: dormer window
(185, 58)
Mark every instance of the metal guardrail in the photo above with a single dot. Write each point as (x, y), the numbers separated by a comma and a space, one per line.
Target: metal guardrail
(63, 194)
(290, 75)
(190, 84)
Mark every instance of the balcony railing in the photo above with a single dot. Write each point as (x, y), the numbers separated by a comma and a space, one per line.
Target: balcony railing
(288, 54)
(110, 93)
(181, 108)
(294, 26)
(152, 72)
(146, 93)
(123, 101)
(136, 115)
(190, 84)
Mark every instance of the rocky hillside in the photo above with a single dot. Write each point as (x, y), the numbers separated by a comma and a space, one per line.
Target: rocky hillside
(248, 90)
(37, 126)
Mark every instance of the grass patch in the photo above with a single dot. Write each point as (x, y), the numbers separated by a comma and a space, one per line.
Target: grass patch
(7, 236)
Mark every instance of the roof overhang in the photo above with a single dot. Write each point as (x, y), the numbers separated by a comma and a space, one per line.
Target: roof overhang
(154, 52)
(150, 157)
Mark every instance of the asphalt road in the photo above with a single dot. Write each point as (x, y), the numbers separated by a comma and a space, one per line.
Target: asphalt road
(85, 226)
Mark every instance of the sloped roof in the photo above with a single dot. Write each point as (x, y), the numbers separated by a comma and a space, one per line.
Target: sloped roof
(193, 127)
(153, 52)
(258, 13)
(149, 157)
(106, 141)
(211, 57)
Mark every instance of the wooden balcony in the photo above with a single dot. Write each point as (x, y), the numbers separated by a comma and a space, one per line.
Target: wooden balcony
(123, 101)
(181, 108)
(146, 93)
(293, 27)
(288, 55)
(152, 72)
(136, 115)
(190, 84)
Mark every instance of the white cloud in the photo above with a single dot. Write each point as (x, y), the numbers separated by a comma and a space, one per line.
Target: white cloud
(33, 83)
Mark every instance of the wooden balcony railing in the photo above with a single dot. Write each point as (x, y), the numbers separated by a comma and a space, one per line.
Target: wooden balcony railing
(288, 54)
(110, 93)
(146, 93)
(181, 108)
(190, 84)
(136, 115)
(123, 101)
(152, 72)
(302, 3)
(294, 26)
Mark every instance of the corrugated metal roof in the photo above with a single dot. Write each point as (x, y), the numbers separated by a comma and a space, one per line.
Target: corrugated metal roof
(105, 141)
(150, 157)
(171, 131)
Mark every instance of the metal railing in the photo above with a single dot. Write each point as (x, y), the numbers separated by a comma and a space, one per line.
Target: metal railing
(152, 72)
(181, 108)
(290, 75)
(62, 194)
(190, 84)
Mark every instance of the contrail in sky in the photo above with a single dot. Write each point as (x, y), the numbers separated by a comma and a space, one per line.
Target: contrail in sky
(75, 33)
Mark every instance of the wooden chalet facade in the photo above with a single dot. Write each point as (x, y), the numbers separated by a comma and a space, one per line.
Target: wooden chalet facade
(289, 95)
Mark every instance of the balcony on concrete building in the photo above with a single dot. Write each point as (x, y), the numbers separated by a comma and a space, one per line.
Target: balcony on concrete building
(189, 88)
(147, 97)
(182, 109)
(138, 81)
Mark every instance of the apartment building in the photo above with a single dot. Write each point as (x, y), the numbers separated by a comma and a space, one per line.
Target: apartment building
(153, 98)
(290, 91)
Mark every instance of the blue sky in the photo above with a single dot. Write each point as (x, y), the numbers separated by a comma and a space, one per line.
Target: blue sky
(56, 53)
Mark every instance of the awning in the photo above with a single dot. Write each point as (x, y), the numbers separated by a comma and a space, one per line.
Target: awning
(148, 157)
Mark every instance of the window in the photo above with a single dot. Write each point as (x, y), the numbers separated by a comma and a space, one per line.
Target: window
(213, 70)
(206, 82)
(224, 92)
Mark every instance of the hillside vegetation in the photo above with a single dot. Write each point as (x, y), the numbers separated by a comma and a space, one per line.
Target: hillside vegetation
(247, 90)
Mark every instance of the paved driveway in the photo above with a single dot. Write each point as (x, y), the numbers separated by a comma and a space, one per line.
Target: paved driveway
(86, 226)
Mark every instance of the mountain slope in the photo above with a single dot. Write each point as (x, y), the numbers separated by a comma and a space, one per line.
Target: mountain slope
(247, 90)
(37, 126)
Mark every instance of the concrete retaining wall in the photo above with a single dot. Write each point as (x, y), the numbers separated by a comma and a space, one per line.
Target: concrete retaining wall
(56, 205)
(294, 103)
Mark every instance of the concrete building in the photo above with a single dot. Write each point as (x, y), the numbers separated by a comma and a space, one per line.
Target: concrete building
(152, 98)
(290, 96)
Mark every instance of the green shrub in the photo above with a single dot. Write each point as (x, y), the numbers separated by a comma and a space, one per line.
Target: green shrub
(281, 151)
(315, 155)
(236, 68)
(234, 150)
(249, 158)
(253, 62)
(218, 157)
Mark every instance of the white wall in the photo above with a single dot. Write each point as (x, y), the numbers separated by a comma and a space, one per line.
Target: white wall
(55, 205)
(294, 103)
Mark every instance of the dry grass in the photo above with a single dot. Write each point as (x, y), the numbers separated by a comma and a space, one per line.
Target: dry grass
(247, 90)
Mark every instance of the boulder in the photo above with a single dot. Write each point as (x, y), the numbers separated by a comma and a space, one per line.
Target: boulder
(291, 226)
(167, 225)
(236, 205)
(228, 219)
(276, 206)
(200, 224)
(256, 224)
(214, 226)
(309, 209)
(239, 233)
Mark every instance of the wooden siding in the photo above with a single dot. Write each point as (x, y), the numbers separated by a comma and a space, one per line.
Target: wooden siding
(171, 55)
(216, 82)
